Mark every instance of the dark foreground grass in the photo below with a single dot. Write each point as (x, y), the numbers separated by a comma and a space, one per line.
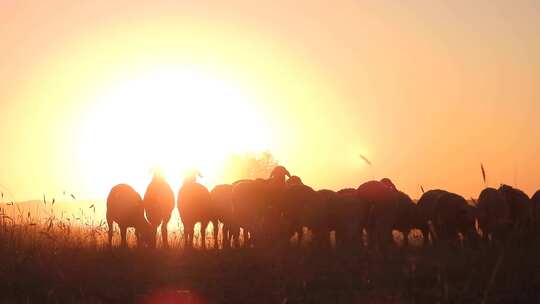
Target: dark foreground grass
(54, 261)
(40, 273)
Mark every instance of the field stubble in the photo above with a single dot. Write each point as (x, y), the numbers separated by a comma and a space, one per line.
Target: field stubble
(48, 258)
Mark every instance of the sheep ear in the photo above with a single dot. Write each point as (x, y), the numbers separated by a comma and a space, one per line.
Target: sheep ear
(287, 173)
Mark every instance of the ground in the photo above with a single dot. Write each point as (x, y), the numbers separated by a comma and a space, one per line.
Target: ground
(37, 272)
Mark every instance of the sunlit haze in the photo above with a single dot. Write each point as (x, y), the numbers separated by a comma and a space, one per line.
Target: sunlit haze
(102, 93)
(174, 119)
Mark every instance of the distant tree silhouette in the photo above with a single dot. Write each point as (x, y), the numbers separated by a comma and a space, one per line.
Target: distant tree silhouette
(249, 166)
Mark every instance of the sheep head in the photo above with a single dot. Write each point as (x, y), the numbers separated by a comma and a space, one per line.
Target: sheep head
(191, 176)
(279, 173)
(294, 180)
(388, 182)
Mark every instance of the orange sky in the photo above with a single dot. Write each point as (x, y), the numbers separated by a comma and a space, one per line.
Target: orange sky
(426, 91)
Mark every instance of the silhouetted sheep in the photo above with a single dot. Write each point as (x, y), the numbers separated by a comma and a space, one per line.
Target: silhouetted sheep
(222, 200)
(426, 211)
(389, 209)
(386, 181)
(124, 207)
(301, 208)
(279, 173)
(372, 191)
(256, 204)
(408, 217)
(453, 215)
(348, 218)
(446, 214)
(493, 214)
(250, 206)
(294, 180)
(195, 206)
(159, 203)
(330, 216)
(520, 206)
(535, 203)
(382, 203)
(348, 191)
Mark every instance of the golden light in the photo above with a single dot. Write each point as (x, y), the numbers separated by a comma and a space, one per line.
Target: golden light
(173, 118)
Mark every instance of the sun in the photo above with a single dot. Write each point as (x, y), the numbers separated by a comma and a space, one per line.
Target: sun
(174, 119)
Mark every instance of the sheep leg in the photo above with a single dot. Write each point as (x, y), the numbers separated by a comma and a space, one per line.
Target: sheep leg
(203, 234)
(318, 241)
(138, 239)
(425, 235)
(110, 232)
(123, 237)
(300, 233)
(153, 244)
(225, 236)
(188, 235)
(355, 238)
(485, 235)
(371, 232)
(338, 238)
(363, 240)
(382, 239)
(215, 231)
(371, 237)
(251, 238)
(406, 237)
(325, 237)
(165, 233)
(190, 238)
(245, 235)
(242, 232)
(236, 237)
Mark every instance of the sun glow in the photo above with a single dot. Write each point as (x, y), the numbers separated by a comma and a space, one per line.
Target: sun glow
(174, 119)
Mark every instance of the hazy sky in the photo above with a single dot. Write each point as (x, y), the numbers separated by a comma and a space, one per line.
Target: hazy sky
(426, 90)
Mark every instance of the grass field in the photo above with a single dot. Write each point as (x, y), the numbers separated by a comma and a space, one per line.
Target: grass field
(49, 259)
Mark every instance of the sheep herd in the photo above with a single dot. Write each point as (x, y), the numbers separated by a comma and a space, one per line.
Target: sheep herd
(270, 212)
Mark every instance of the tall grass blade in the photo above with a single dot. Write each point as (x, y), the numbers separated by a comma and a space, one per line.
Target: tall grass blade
(366, 160)
(483, 174)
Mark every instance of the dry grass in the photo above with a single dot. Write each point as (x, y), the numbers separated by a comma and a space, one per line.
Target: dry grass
(63, 258)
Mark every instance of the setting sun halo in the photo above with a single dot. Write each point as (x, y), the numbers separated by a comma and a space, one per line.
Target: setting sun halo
(170, 119)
